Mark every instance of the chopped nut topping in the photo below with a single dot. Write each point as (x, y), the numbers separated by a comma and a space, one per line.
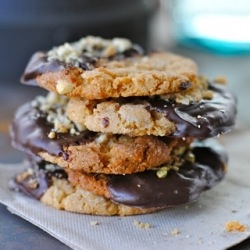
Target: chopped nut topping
(109, 51)
(21, 177)
(50, 167)
(64, 87)
(61, 127)
(54, 106)
(33, 183)
(52, 135)
(162, 172)
(102, 138)
(89, 46)
(178, 157)
(180, 151)
(30, 171)
(190, 157)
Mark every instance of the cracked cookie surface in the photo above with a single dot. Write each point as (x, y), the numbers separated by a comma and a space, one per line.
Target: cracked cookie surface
(92, 73)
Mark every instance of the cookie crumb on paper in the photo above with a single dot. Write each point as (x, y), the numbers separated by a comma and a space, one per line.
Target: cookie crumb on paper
(94, 223)
(140, 224)
(175, 232)
(235, 226)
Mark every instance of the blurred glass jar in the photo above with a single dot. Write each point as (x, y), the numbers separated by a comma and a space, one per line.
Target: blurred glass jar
(221, 26)
(30, 25)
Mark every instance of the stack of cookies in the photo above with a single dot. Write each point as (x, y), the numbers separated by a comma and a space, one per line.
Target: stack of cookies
(120, 132)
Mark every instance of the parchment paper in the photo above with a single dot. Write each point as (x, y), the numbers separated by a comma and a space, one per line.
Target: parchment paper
(200, 225)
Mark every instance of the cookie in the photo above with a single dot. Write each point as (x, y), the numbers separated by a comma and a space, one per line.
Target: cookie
(213, 114)
(139, 193)
(54, 190)
(86, 150)
(63, 196)
(164, 186)
(95, 68)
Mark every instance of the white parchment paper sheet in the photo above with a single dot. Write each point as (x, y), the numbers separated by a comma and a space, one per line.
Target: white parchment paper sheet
(200, 225)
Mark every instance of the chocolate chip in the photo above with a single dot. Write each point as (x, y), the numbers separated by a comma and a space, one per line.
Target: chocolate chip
(185, 85)
(105, 122)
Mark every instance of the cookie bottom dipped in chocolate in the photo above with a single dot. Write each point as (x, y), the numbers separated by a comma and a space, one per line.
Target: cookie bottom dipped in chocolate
(125, 194)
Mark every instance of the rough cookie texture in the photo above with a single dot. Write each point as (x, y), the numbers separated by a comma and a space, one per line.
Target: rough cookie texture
(62, 195)
(116, 155)
(129, 116)
(44, 131)
(111, 117)
(182, 183)
(155, 74)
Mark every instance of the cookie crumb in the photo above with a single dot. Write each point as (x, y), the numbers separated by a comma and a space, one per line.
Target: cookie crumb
(102, 138)
(33, 184)
(235, 226)
(52, 135)
(94, 223)
(64, 87)
(220, 79)
(140, 224)
(208, 95)
(175, 232)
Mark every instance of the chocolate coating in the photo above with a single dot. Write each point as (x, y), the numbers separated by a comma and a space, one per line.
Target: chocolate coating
(146, 190)
(30, 129)
(39, 64)
(40, 176)
(203, 119)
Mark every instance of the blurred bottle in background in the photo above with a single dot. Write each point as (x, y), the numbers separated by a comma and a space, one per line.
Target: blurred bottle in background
(30, 25)
(221, 26)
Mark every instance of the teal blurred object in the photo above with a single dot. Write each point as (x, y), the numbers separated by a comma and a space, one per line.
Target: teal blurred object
(221, 26)
(30, 25)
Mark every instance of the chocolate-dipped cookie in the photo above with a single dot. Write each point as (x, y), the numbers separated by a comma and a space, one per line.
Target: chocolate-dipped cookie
(121, 131)
(96, 68)
(125, 194)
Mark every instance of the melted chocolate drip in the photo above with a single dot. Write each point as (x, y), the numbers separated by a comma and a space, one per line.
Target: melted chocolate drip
(30, 131)
(146, 190)
(39, 64)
